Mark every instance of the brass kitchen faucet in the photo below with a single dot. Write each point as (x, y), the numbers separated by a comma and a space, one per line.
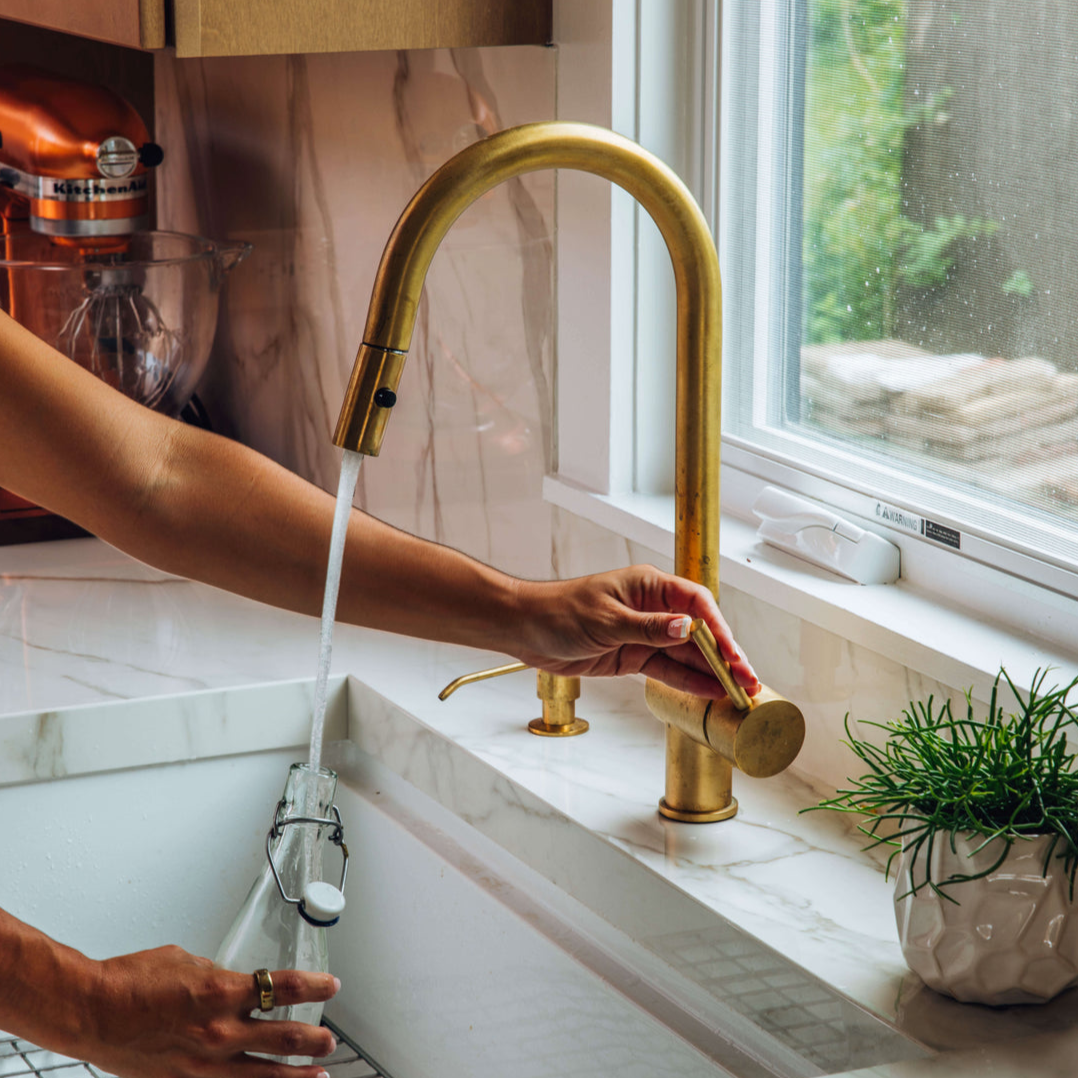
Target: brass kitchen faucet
(704, 738)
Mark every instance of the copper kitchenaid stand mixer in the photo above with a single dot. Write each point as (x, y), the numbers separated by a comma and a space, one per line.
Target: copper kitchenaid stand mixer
(79, 270)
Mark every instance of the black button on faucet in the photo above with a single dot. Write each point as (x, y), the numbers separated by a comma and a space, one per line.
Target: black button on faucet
(385, 398)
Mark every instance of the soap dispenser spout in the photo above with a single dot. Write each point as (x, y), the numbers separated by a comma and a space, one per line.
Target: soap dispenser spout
(698, 777)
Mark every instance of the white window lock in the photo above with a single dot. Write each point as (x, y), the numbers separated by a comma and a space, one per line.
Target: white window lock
(823, 538)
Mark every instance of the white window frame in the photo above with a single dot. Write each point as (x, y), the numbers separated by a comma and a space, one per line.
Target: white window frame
(615, 70)
(619, 66)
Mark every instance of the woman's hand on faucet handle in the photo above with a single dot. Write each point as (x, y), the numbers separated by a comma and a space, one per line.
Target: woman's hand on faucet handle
(628, 621)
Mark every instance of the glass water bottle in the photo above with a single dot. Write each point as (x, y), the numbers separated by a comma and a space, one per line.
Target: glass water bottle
(282, 923)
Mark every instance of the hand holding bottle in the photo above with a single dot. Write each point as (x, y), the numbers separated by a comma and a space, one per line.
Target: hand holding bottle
(155, 1014)
(165, 1012)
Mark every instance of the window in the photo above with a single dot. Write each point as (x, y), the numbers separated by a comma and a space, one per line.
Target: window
(898, 233)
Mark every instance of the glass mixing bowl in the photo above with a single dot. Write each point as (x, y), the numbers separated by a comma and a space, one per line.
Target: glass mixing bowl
(141, 319)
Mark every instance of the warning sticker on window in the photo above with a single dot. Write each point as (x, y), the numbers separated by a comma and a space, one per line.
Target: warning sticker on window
(900, 518)
(942, 534)
(906, 521)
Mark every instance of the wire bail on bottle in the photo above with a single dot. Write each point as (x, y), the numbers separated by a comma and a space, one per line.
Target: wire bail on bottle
(321, 904)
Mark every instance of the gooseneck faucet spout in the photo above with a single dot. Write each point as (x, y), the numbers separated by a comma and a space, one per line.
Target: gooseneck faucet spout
(698, 777)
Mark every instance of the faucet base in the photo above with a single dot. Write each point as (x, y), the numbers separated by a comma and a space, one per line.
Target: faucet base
(698, 779)
(713, 816)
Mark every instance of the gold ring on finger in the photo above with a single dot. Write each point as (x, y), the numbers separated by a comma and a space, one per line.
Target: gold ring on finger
(264, 985)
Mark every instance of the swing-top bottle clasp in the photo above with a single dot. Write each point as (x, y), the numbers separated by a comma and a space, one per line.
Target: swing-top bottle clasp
(321, 904)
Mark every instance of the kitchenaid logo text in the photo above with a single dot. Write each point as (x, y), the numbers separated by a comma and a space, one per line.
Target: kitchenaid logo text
(92, 190)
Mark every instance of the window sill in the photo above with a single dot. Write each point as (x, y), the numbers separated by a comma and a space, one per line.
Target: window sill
(961, 644)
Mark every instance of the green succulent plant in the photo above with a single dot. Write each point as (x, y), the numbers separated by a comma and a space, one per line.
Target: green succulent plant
(1007, 777)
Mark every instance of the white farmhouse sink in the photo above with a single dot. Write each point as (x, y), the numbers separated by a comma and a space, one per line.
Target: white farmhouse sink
(456, 958)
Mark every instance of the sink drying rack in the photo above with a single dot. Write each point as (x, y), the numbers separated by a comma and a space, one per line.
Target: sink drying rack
(21, 1059)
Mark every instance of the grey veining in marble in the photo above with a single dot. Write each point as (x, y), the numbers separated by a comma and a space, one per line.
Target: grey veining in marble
(312, 159)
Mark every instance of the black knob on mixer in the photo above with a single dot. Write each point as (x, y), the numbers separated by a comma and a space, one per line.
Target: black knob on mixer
(385, 398)
(151, 155)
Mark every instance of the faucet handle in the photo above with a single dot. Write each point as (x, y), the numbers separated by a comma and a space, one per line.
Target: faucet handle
(760, 742)
(705, 641)
(558, 693)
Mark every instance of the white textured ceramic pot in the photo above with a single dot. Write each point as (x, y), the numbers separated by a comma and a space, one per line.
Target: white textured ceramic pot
(1012, 937)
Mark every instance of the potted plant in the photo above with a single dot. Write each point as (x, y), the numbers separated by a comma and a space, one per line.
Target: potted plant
(983, 815)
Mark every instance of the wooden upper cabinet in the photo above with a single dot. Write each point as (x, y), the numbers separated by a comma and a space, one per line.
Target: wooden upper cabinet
(138, 24)
(259, 27)
(245, 27)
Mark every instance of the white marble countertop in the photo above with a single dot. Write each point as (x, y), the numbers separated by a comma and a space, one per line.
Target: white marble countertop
(93, 644)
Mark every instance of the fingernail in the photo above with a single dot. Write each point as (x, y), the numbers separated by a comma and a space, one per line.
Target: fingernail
(336, 984)
(323, 1074)
(678, 628)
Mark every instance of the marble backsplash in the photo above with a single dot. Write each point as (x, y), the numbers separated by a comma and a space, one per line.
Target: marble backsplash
(311, 158)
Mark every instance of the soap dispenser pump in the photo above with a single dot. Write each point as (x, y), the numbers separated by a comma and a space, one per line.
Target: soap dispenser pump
(282, 922)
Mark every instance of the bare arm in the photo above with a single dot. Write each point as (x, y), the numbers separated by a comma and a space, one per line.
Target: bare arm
(208, 508)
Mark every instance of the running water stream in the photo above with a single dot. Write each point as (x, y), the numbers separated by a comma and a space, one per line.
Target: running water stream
(346, 489)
